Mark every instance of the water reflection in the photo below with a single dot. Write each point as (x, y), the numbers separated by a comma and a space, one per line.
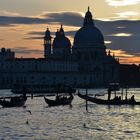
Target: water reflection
(64, 122)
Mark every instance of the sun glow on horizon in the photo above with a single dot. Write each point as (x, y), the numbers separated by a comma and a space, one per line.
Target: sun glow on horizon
(125, 58)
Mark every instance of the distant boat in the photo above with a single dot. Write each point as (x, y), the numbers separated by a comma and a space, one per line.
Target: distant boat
(16, 101)
(42, 88)
(60, 100)
(108, 102)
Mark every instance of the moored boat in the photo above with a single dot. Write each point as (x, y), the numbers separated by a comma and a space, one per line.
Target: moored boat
(60, 100)
(16, 101)
(115, 101)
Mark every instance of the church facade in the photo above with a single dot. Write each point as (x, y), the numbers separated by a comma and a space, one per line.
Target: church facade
(85, 63)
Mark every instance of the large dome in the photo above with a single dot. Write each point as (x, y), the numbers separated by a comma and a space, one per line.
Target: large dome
(88, 34)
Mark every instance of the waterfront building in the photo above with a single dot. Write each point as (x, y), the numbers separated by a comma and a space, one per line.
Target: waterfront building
(85, 63)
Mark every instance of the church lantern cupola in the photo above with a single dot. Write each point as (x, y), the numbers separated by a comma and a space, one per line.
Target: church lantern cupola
(47, 43)
(88, 18)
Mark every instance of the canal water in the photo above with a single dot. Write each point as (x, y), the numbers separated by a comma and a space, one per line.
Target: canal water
(37, 121)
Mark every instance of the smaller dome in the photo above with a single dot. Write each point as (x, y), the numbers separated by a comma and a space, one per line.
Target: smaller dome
(61, 42)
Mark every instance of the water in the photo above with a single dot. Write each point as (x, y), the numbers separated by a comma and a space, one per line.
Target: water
(66, 123)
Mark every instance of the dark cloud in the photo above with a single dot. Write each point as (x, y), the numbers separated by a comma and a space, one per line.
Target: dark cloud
(130, 44)
(36, 33)
(114, 27)
(66, 18)
(40, 35)
(8, 21)
(34, 38)
(26, 50)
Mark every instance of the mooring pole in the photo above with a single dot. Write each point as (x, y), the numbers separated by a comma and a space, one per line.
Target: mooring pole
(32, 95)
(126, 92)
(86, 99)
(122, 93)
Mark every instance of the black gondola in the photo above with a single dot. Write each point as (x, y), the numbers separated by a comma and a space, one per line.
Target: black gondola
(115, 101)
(16, 101)
(59, 100)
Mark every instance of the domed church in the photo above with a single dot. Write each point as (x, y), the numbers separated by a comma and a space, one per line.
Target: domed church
(85, 63)
(96, 67)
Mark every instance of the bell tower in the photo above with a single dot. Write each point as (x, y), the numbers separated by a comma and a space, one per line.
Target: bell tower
(47, 44)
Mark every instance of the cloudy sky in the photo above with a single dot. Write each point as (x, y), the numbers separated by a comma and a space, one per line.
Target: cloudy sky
(23, 22)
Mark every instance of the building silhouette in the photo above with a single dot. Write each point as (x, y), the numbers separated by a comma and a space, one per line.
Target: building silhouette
(85, 63)
(130, 75)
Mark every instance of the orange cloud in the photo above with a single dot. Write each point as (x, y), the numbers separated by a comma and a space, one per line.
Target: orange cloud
(125, 58)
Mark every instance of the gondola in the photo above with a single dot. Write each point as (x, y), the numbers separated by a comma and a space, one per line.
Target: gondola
(115, 101)
(16, 101)
(59, 100)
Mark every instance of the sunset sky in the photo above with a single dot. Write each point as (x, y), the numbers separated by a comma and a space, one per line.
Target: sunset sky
(23, 22)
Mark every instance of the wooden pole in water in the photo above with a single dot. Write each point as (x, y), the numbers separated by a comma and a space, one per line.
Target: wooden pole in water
(115, 92)
(32, 95)
(86, 99)
(122, 93)
(126, 92)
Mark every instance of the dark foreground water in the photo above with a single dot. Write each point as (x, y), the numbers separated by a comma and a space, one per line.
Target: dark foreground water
(67, 123)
